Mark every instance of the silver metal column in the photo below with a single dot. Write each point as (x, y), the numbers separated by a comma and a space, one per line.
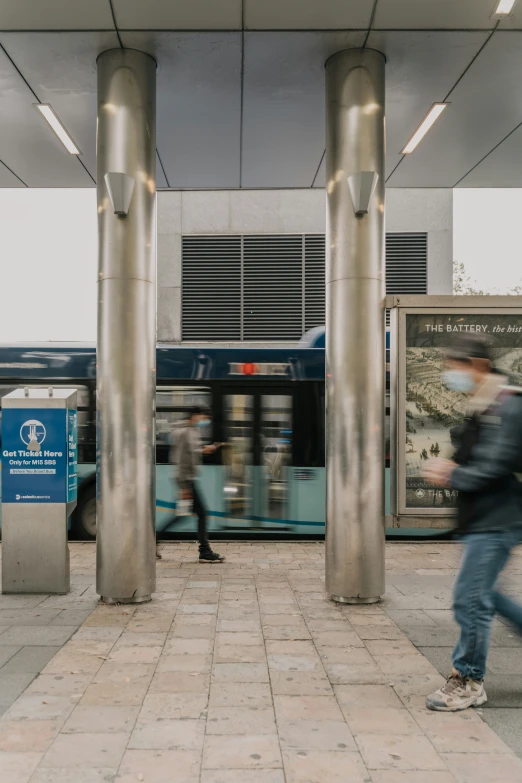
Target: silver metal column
(355, 328)
(126, 358)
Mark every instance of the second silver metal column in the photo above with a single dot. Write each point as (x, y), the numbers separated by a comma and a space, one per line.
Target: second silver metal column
(126, 353)
(355, 329)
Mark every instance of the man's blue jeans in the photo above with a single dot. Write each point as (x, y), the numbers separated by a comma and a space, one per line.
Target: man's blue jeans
(476, 601)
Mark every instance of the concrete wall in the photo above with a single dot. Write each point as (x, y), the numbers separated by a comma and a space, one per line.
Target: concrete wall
(286, 211)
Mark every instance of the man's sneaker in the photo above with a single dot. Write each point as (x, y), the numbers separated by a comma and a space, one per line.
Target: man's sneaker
(208, 556)
(458, 693)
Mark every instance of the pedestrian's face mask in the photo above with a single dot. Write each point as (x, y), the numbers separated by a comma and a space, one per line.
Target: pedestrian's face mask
(203, 423)
(459, 381)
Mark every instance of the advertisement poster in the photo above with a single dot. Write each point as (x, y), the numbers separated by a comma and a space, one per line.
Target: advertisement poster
(34, 455)
(432, 410)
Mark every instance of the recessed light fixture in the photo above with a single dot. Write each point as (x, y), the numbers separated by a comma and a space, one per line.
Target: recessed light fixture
(504, 7)
(429, 120)
(46, 110)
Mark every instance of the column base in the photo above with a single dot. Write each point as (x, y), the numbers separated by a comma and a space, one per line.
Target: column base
(143, 599)
(340, 599)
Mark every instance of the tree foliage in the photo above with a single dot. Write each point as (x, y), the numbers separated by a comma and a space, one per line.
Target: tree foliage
(462, 284)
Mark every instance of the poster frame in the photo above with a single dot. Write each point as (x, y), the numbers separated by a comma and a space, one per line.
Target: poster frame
(400, 307)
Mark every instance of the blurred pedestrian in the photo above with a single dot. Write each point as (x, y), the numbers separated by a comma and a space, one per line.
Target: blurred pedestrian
(188, 451)
(486, 470)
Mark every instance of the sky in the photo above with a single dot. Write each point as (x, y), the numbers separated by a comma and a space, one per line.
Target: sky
(48, 252)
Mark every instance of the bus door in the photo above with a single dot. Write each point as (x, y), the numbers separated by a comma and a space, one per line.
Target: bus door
(258, 435)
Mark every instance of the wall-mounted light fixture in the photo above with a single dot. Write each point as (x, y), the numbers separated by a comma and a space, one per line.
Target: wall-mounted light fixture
(121, 188)
(362, 187)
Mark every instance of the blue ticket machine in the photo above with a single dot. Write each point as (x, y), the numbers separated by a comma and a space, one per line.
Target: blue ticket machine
(39, 488)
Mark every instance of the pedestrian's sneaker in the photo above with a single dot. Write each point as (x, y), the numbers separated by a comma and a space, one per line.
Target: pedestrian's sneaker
(458, 693)
(208, 556)
(159, 556)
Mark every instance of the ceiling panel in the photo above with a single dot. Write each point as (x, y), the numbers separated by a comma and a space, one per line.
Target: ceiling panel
(501, 169)
(320, 180)
(307, 14)
(61, 69)
(161, 182)
(27, 144)
(435, 14)
(199, 105)
(283, 115)
(486, 105)
(178, 14)
(8, 179)
(421, 69)
(55, 15)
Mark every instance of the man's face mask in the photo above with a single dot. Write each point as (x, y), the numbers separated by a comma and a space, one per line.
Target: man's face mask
(203, 423)
(459, 381)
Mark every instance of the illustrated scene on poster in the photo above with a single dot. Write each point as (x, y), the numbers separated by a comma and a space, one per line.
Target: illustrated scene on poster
(432, 410)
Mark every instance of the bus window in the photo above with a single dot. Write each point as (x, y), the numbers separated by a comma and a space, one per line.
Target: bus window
(276, 449)
(238, 454)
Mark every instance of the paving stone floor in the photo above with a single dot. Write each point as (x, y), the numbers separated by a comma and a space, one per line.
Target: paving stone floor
(246, 673)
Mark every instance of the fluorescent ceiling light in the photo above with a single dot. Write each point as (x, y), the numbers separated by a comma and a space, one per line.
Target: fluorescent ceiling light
(505, 7)
(58, 128)
(429, 120)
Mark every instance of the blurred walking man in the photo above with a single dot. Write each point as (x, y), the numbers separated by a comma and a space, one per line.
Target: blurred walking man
(486, 470)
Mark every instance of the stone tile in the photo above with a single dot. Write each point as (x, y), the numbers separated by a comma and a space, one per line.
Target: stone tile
(242, 776)
(319, 734)
(413, 689)
(184, 663)
(368, 632)
(183, 631)
(291, 632)
(115, 694)
(507, 723)
(381, 720)
(351, 656)
(240, 694)
(26, 617)
(240, 672)
(381, 751)
(244, 639)
(381, 647)
(374, 619)
(7, 653)
(168, 734)
(86, 750)
(153, 624)
(300, 683)
(72, 617)
(352, 697)
(97, 634)
(59, 684)
(189, 646)
(178, 706)
(229, 653)
(209, 609)
(344, 674)
(80, 775)
(112, 671)
(82, 663)
(408, 618)
(157, 766)
(294, 663)
(241, 752)
(506, 660)
(238, 626)
(101, 720)
(484, 768)
(34, 707)
(130, 639)
(29, 660)
(35, 635)
(337, 639)
(240, 720)
(400, 776)
(307, 707)
(135, 654)
(35, 736)
(291, 647)
(180, 682)
(404, 664)
(110, 616)
(463, 732)
(17, 767)
(12, 685)
(320, 766)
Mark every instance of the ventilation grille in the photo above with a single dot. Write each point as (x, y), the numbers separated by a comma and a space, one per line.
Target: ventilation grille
(314, 304)
(211, 285)
(272, 287)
